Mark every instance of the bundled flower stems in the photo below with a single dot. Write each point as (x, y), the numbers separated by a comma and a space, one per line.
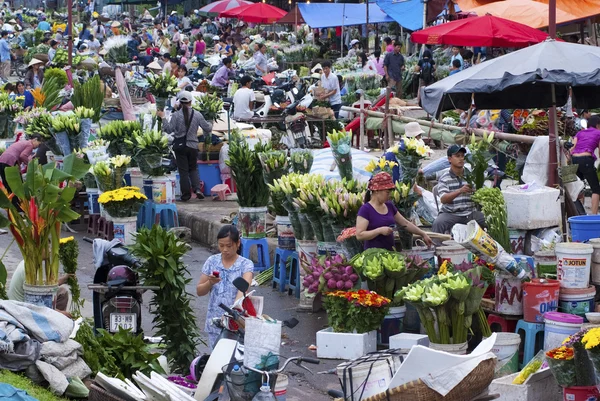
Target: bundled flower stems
(341, 142)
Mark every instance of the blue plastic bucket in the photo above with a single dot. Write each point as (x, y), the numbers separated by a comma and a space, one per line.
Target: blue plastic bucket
(209, 173)
(584, 228)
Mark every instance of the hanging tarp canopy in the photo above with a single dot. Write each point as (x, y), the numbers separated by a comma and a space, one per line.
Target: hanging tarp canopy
(409, 13)
(580, 9)
(328, 15)
(292, 18)
(526, 12)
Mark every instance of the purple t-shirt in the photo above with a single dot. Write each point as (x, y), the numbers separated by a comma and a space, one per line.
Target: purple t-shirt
(377, 220)
(587, 141)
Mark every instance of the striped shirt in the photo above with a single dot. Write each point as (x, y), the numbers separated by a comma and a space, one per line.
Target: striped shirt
(462, 205)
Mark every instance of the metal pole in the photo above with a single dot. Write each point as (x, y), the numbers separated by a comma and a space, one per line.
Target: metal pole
(362, 121)
(553, 129)
(367, 26)
(425, 14)
(71, 33)
(343, 20)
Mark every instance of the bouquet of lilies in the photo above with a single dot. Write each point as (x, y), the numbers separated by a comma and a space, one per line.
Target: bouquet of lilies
(382, 164)
(275, 165)
(341, 142)
(289, 186)
(162, 85)
(450, 299)
(302, 160)
(409, 153)
(404, 198)
(341, 201)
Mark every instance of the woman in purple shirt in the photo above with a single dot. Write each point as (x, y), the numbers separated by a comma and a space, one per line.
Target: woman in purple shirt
(586, 141)
(378, 216)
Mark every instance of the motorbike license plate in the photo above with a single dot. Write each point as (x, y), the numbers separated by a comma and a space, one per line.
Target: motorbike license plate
(124, 320)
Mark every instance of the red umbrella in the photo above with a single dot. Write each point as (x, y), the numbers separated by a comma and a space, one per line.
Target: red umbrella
(260, 13)
(486, 30)
(223, 5)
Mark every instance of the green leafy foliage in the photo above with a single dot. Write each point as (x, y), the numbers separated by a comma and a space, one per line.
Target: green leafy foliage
(58, 73)
(89, 95)
(247, 172)
(174, 319)
(493, 207)
(130, 352)
(68, 253)
(97, 358)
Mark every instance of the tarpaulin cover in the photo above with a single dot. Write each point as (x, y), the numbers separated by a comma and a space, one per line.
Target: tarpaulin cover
(409, 13)
(327, 15)
(486, 30)
(293, 17)
(527, 12)
(580, 9)
(522, 80)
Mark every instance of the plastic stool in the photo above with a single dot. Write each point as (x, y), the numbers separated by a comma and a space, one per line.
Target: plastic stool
(530, 342)
(106, 229)
(145, 216)
(505, 325)
(280, 274)
(262, 250)
(220, 191)
(294, 283)
(166, 215)
(93, 224)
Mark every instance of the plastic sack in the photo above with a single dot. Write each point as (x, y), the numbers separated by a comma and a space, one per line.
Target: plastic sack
(81, 141)
(426, 208)
(261, 338)
(472, 237)
(538, 156)
(545, 238)
(223, 157)
(62, 143)
(563, 371)
(533, 366)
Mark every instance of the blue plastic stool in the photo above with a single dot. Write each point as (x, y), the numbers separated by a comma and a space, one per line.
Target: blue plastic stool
(280, 274)
(145, 217)
(295, 283)
(165, 214)
(529, 339)
(262, 250)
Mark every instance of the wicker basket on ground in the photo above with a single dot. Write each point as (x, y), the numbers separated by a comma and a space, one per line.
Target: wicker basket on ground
(470, 387)
(97, 393)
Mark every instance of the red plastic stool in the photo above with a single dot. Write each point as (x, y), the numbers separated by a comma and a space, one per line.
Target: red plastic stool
(93, 224)
(498, 324)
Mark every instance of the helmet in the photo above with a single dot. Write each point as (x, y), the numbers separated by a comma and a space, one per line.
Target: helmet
(121, 275)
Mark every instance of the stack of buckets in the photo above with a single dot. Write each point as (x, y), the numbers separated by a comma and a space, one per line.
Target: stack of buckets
(158, 190)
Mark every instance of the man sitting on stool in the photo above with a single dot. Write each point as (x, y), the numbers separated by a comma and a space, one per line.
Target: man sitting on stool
(455, 194)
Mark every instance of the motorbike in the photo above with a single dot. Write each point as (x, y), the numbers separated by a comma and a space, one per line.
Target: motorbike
(229, 346)
(117, 297)
(298, 132)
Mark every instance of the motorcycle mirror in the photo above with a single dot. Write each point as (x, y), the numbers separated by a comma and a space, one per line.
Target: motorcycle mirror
(241, 284)
(276, 105)
(295, 91)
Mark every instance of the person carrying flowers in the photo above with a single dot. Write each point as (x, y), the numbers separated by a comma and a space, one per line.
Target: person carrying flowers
(378, 217)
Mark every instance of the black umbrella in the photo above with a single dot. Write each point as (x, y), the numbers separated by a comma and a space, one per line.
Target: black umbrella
(522, 79)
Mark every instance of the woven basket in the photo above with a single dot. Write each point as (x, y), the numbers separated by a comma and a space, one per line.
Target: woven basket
(470, 387)
(97, 393)
(568, 173)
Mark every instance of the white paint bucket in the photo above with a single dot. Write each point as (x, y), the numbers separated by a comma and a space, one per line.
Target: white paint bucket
(506, 349)
(162, 190)
(456, 254)
(285, 233)
(456, 349)
(573, 263)
(124, 229)
(509, 294)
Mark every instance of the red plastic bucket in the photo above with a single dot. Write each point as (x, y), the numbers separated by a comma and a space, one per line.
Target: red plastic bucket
(539, 296)
(583, 393)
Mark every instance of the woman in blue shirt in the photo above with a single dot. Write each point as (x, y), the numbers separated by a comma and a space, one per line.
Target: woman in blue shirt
(29, 101)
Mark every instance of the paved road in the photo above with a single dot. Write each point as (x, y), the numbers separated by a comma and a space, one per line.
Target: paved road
(294, 342)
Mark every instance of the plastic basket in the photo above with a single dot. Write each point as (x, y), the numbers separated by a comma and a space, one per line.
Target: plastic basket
(251, 385)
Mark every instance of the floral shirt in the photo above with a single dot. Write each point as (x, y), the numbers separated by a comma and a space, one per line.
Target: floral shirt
(224, 292)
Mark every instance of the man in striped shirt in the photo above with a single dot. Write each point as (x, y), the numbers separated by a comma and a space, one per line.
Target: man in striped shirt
(455, 194)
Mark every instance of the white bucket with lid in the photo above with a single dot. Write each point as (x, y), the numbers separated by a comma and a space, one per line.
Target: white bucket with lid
(367, 376)
(573, 263)
(506, 349)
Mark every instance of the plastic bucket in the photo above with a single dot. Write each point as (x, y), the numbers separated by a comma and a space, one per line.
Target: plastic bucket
(559, 326)
(253, 222)
(509, 294)
(506, 349)
(422, 251)
(545, 264)
(391, 325)
(93, 205)
(366, 376)
(328, 248)
(281, 386)
(584, 228)
(42, 295)
(517, 241)
(176, 184)
(456, 254)
(285, 233)
(162, 190)
(137, 180)
(124, 229)
(539, 296)
(595, 242)
(573, 263)
(457, 349)
(581, 393)
(577, 301)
